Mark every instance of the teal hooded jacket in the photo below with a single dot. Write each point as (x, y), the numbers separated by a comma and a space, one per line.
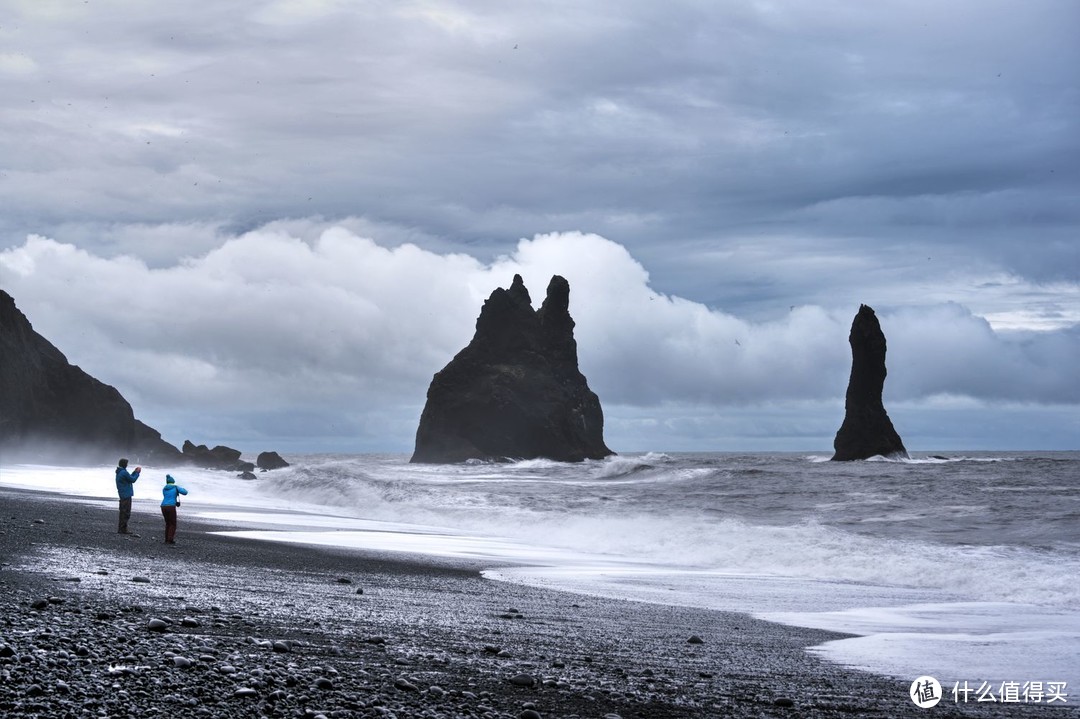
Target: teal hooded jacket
(170, 491)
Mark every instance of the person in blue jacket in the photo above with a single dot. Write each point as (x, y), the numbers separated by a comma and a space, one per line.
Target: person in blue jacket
(170, 501)
(125, 488)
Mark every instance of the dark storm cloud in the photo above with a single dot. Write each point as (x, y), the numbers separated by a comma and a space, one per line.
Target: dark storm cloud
(705, 120)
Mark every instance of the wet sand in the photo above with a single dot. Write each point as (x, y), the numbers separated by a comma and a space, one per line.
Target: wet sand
(93, 623)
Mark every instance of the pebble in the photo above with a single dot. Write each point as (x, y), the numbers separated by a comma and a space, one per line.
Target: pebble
(157, 625)
(141, 580)
(783, 702)
(324, 684)
(181, 662)
(245, 692)
(695, 639)
(405, 685)
(530, 714)
(523, 680)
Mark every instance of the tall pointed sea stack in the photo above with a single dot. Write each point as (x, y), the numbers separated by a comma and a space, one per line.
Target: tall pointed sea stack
(52, 410)
(866, 431)
(515, 392)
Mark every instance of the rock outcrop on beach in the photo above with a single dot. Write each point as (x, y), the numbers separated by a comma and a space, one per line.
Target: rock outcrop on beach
(220, 457)
(51, 410)
(515, 392)
(867, 430)
(270, 460)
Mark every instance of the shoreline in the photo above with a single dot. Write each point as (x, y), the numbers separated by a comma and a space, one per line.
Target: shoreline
(255, 628)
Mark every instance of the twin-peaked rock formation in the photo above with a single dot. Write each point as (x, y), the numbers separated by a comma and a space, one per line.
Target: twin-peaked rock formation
(866, 431)
(515, 392)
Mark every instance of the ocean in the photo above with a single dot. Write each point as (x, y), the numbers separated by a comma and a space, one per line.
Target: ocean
(963, 567)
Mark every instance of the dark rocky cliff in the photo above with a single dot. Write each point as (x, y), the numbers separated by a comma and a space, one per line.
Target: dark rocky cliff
(867, 430)
(51, 410)
(515, 392)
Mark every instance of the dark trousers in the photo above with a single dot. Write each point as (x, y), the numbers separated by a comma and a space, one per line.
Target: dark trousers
(169, 513)
(125, 515)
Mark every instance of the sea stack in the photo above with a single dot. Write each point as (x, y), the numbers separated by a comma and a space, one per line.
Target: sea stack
(867, 430)
(515, 392)
(53, 411)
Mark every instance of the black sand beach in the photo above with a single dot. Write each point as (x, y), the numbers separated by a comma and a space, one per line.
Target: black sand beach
(96, 624)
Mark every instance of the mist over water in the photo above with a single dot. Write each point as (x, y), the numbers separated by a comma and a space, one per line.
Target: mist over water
(943, 557)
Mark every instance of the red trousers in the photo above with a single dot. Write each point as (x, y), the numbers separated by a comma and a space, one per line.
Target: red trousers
(169, 513)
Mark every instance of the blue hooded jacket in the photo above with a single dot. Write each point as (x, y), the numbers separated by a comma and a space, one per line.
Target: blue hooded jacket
(170, 492)
(125, 481)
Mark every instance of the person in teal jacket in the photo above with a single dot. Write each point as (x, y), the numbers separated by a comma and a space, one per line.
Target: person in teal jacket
(125, 488)
(170, 501)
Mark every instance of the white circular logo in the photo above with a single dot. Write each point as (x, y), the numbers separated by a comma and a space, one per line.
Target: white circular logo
(925, 692)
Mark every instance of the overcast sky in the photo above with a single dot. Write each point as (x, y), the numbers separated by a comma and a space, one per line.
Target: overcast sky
(269, 223)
